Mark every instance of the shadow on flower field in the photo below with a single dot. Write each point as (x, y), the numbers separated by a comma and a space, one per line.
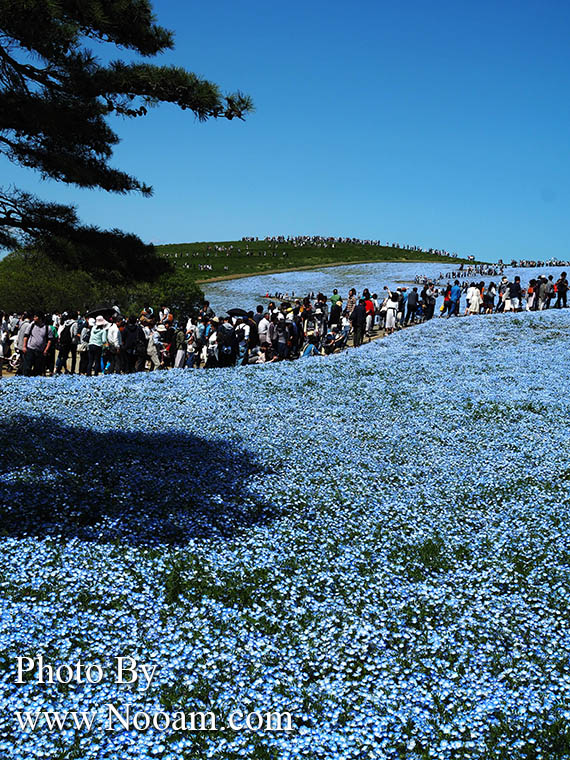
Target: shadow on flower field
(132, 487)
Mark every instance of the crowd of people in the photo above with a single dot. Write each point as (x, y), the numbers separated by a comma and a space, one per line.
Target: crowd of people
(529, 263)
(111, 343)
(200, 258)
(320, 241)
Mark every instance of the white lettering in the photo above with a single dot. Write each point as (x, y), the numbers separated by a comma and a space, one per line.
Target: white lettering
(44, 671)
(112, 712)
(141, 721)
(124, 668)
(29, 661)
(55, 720)
(128, 672)
(98, 672)
(202, 717)
(68, 677)
(249, 723)
(179, 721)
(28, 720)
(148, 672)
(274, 721)
(156, 720)
(233, 725)
(84, 719)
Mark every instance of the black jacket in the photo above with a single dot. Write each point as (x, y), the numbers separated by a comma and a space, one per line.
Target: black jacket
(358, 316)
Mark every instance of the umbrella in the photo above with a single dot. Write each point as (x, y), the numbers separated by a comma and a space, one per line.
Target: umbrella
(103, 310)
(237, 312)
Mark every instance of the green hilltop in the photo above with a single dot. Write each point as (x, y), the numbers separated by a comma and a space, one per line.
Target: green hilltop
(241, 258)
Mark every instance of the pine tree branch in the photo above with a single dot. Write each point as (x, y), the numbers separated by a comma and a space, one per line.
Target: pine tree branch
(26, 72)
(55, 98)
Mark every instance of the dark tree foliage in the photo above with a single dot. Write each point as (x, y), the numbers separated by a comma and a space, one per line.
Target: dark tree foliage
(30, 279)
(55, 100)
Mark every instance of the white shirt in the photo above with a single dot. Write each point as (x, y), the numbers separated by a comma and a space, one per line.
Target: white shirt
(263, 326)
(114, 336)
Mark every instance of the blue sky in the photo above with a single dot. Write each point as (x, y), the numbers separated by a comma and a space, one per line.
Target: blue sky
(441, 124)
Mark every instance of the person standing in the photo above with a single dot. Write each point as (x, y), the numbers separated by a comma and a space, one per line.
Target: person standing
(36, 344)
(336, 311)
(83, 347)
(516, 294)
(475, 300)
(180, 346)
(358, 319)
(20, 338)
(154, 345)
(4, 336)
(454, 299)
(49, 362)
(412, 306)
(64, 343)
(430, 300)
(446, 302)
(489, 298)
(114, 346)
(351, 302)
(543, 299)
(335, 297)
(134, 344)
(561, 291)
(227, 343)
(97, 341)
(391, 311)
(258, 316)
(550, 291)
(75, 337)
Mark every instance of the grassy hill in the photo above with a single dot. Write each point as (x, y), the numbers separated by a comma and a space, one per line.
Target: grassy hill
(214, 261)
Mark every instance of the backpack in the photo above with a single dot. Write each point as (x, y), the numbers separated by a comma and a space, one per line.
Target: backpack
(225, 336)
(141, 342)
(64, 340)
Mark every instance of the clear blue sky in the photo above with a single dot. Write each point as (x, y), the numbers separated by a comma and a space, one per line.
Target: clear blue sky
(442, 124)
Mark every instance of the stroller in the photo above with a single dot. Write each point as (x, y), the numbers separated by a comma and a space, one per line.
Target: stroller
(15, 358)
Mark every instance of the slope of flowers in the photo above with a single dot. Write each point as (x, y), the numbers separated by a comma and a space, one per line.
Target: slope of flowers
(377, 542)
(246, 292)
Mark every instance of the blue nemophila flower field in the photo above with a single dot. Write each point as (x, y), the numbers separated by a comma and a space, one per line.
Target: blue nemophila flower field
(377, 542)
(246, 292)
